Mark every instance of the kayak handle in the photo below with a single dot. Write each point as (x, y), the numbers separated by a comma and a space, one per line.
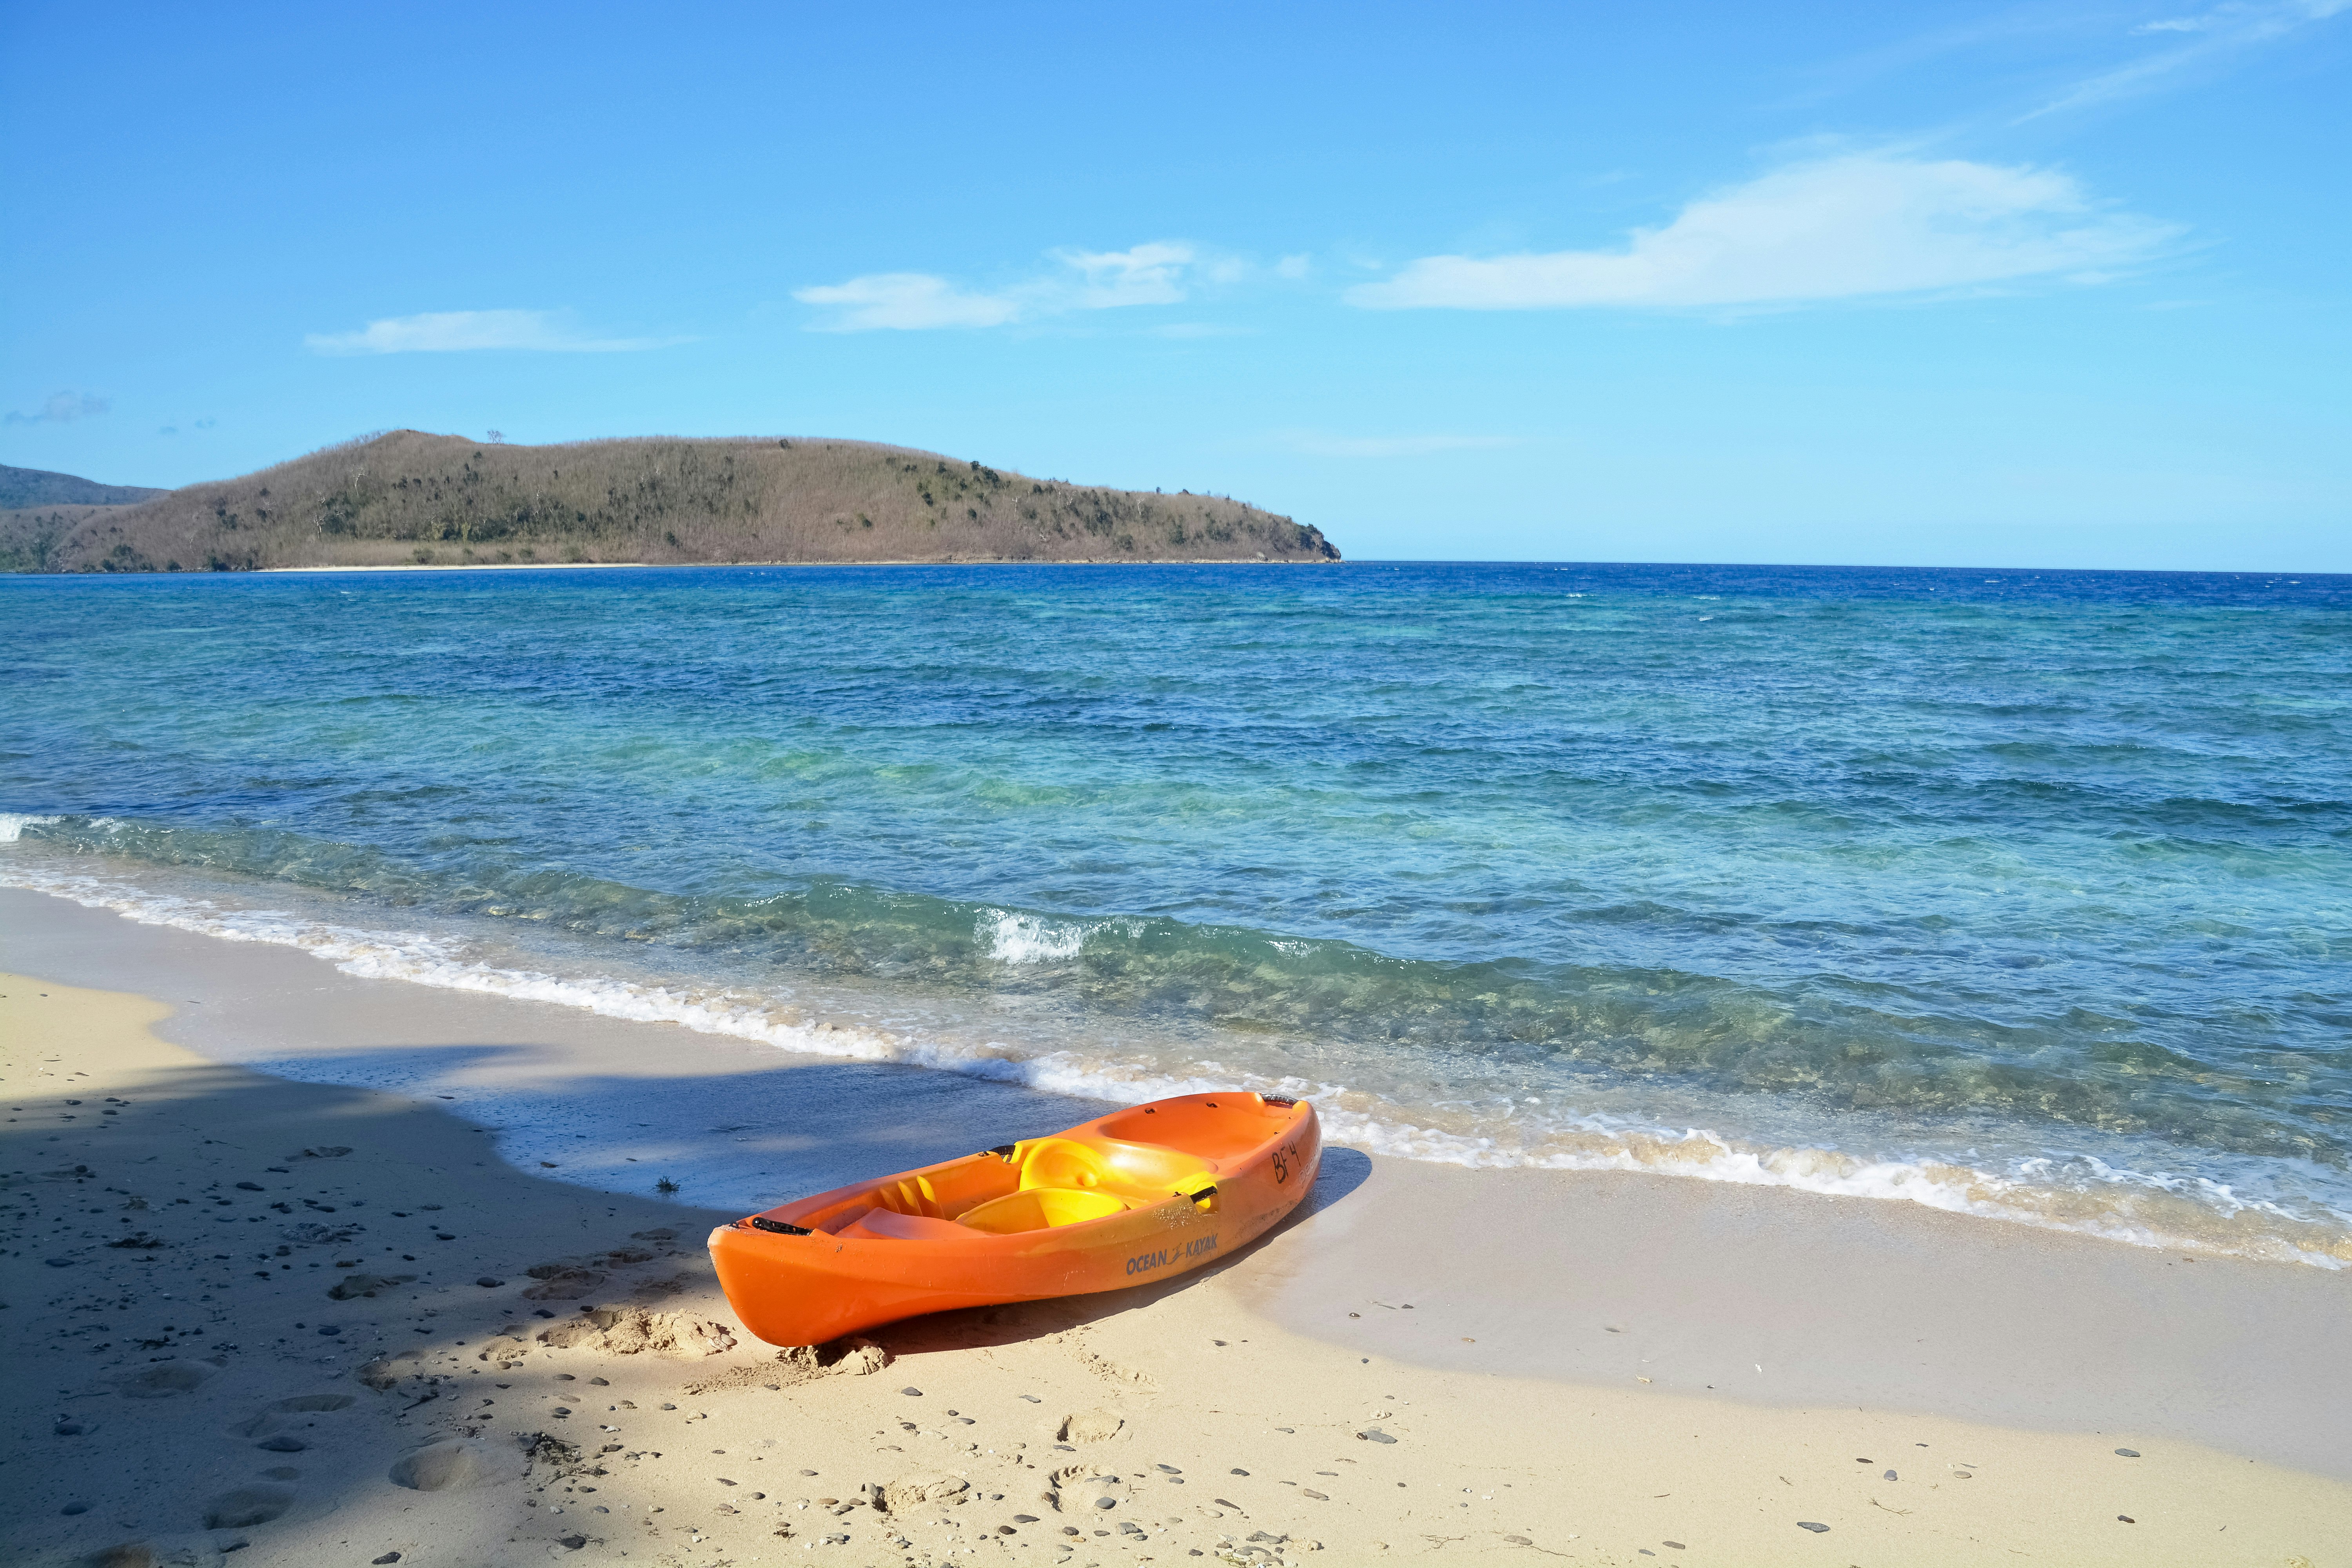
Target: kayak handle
(779, 1226)
(1004, 1151)
(1282, 1099)
(1201, 1197)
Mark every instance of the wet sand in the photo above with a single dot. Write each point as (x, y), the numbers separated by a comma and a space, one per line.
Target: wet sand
(1538, 1349)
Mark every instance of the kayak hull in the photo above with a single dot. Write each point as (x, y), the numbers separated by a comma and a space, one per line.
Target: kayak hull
(1139, 1195)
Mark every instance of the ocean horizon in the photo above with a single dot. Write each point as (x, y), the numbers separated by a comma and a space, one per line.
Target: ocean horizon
(2021, 894)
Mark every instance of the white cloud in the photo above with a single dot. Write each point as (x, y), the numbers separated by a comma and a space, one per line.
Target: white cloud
(2205, 37)
(1161, 272)
(1842, 227)
(62, 408)
(906, 302)
(1315, 444)
(1147, 275)
(457, 332)
(1292, 265)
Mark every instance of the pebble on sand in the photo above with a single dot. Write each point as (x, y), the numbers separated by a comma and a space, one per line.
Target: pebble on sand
(1816, 1529)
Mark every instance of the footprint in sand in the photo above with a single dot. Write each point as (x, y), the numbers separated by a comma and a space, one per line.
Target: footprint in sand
(1089, 1426)
(247, 1505)
(1078, 1490)
(384, 1371)
(563, 1284)
(164, 1379)
(454, 1465)
(271, 1425)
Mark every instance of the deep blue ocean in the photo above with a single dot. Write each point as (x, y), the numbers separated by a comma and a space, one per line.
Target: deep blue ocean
(2028, 895)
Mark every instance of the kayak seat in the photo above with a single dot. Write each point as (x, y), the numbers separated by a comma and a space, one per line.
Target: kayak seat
(883, 1224)
(1040, 1208)
(1141, 1172)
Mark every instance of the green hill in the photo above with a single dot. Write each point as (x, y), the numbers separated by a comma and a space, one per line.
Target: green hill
(409, 498)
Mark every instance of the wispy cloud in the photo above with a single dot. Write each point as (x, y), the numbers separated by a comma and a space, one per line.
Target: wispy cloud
(61, 408)
(1316, 444)
(1146, 275)
(906, 302)
(1841, 227)
(2204, 37)
(1162, 272)
(460, 332)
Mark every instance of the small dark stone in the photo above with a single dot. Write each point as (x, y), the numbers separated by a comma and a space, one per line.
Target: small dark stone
(486, 1283)
(282, 1444)
(59, 1262)
(1674, 1545)
(387, 1557)
(70, 1428)
(1240, 1472)
(1373, 1435)
(331, 1331)
(249, 1187)
(1006, 1530)
(1816, 1529)
(2126, 1519)
(574, 1543)
(75, 1508)
(914, 1392)
(1025, 1518)
(1890, 1476)
(2128, 1453)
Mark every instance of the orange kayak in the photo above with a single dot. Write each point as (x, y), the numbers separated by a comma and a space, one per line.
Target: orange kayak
(1127, 1199)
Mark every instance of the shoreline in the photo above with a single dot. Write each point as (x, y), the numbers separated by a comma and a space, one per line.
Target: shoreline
(1245, 1383)
(507, 1056)
(2133, 1203)
(959, 560)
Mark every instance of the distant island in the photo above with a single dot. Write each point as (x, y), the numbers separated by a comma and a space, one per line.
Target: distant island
(407, 498)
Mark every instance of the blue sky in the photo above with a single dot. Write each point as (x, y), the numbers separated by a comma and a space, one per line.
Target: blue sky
(2008, 285)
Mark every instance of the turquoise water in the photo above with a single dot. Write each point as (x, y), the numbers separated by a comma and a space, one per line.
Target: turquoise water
(2024, 895)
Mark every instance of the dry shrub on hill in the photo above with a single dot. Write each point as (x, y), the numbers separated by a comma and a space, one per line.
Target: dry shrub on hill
(407, 496)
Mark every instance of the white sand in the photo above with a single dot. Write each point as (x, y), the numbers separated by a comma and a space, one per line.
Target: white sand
(1890, 1339)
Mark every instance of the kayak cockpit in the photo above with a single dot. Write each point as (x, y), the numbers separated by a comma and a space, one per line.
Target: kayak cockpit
(1039, 1183)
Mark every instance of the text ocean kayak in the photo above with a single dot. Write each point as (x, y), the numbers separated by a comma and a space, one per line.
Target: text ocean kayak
(1126, 1199)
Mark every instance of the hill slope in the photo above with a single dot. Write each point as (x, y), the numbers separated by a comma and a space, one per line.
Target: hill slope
(411, 498)
(40, 486)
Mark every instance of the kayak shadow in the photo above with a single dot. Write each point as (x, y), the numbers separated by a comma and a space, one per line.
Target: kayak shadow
(1343, 1171)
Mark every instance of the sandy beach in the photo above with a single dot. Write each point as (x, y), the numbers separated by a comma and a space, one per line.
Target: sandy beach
(306, 1323)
